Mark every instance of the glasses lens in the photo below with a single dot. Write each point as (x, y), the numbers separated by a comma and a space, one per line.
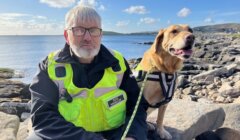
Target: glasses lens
(95, 31)
(78, 31)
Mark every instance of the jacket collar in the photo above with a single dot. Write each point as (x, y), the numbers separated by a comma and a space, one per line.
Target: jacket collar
(103, 60)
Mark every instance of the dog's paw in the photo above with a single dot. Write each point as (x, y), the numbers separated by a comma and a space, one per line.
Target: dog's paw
(164, 134)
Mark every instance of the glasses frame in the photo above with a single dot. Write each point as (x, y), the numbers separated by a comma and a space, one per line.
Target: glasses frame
(86, 29)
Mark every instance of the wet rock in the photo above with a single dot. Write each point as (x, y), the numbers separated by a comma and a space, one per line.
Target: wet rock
(14, 108)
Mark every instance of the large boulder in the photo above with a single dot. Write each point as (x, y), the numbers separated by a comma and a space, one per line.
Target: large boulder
(23, 130)
(187, 119)
(232, 112)
(9, 125)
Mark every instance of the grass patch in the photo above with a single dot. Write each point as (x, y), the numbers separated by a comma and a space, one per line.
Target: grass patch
(6, 70)
(235, 35)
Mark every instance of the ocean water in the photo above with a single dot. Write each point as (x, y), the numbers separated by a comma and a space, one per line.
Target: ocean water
(23, 53)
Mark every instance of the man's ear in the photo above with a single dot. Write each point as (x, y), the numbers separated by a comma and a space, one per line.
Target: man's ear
(157, 44)
(66, 36)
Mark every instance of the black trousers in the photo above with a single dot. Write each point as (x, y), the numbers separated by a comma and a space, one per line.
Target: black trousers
(114, 134)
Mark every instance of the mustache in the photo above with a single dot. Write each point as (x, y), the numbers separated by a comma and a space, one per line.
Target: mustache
(86, 43)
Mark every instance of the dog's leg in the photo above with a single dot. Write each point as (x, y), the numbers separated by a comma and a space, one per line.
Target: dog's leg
(164, 134)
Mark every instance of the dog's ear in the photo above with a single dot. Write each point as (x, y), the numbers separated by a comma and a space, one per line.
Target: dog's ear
(157, 44)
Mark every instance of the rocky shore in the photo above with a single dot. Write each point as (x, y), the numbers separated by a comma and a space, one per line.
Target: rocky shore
(207, 95)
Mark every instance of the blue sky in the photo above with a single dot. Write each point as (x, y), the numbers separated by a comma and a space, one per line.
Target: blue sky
(37, 17)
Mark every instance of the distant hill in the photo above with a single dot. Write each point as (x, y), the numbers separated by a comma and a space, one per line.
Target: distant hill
(144, 33)
(226, 28)
(111, 33)
(137, 33)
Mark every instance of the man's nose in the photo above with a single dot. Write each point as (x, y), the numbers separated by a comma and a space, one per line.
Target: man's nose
(87, 36)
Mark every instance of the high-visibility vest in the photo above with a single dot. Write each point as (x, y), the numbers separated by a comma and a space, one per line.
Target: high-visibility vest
(96, 109)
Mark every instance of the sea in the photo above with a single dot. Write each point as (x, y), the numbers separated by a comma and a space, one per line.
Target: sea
(24, 52)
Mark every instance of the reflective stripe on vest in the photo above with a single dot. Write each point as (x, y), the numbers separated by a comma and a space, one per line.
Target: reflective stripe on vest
(100, 108)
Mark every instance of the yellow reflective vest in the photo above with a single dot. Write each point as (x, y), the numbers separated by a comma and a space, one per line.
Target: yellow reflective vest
(100, 108)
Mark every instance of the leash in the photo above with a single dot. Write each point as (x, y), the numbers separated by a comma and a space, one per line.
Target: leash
(136, 106)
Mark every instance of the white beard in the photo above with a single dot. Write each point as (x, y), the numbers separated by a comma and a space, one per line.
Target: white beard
(84, 53)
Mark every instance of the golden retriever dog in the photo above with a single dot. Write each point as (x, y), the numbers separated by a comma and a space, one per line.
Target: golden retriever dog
(165, 57)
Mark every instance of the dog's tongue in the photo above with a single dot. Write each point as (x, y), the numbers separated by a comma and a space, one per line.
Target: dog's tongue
(183, 52)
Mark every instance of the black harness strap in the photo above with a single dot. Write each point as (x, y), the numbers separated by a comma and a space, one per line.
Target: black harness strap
(167, 83)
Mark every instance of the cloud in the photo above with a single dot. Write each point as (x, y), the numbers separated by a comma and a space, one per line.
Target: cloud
(15, 16)
(184, 12)
(28, 24)
(92, 3)
(122, 23)
(148, 20)
(208, 20)
(101, 8)
(58, 3)
(136, 10)
(10, 16)
(40, 17)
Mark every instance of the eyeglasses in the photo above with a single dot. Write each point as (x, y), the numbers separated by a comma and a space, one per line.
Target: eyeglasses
(80, 31)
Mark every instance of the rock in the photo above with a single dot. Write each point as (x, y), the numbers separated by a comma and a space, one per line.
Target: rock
(6, 73)
(14, 108)
(228, 134)
(211, 86)
(189, 72)
(186, 119)
(232, 112)
(183, 82)
(146, 43)
(9, 125)
(25, 115)
(220, 99)
(227, 90)
(18, 74)
(237, 100)
(25, 93)
(187, 91)
(210, 73)
(199, 54)
(23, 130)
(10, 89)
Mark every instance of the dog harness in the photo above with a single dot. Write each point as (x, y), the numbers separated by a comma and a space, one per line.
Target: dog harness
(166, 81)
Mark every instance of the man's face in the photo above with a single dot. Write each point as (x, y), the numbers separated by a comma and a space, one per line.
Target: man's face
(85, 46)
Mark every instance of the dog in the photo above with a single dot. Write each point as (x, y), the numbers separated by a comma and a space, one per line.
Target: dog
(165, 57)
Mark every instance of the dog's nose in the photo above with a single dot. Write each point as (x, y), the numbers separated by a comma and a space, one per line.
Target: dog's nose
(190, 39)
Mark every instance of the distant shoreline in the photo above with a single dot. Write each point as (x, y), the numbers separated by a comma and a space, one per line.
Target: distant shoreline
(222, 28)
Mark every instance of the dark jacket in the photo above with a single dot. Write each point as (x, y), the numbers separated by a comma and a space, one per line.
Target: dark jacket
(48, 122)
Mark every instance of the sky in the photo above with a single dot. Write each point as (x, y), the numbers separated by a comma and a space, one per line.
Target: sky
(46, 17)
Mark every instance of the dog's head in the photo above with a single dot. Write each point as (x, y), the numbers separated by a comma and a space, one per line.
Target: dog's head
(177, 40)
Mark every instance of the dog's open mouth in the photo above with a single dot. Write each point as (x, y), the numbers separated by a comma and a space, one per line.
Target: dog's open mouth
(185, 52)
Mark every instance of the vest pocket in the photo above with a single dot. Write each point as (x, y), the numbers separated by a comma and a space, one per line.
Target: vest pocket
(70, 111)
(114, 108)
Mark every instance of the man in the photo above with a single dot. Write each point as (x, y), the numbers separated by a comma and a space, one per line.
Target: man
(85, 91)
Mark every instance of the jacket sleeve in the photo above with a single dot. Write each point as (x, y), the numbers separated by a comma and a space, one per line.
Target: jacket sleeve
(46, 119)
(138, 129)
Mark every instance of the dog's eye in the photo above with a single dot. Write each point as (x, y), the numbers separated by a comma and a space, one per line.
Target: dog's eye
(190, 30)
(174, 31)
